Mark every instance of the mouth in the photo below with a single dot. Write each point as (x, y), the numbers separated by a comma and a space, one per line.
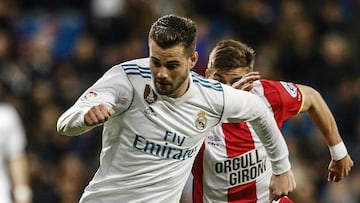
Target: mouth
(162, 83)
(163, 87)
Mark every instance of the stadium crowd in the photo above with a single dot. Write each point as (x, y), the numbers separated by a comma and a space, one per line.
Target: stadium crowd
(51, 51)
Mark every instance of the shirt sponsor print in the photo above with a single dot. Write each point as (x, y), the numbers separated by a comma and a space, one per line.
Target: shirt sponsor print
(244, 168)
(164, 149)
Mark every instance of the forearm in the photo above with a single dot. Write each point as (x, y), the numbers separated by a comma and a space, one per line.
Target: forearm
(274, 143)
(321, 115)
(327, 125)
(72, 122)
(254, 111)
(19, 173)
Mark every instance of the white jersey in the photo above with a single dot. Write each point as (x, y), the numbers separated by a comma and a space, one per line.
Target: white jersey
(149, 144)
(12, 145)
(232, 165)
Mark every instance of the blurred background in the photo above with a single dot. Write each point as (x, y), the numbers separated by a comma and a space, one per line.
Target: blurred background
(51, 51)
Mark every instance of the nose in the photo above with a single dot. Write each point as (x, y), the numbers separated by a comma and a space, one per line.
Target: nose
(162, 72)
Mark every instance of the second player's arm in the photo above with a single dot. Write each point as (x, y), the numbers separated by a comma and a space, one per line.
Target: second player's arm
(322, 116)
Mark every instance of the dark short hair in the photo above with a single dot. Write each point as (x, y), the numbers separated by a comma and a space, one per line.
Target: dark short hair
(228, 54)
(171, 30)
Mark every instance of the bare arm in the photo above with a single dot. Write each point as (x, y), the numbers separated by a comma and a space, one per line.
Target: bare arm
(321, 115)
(19, 173)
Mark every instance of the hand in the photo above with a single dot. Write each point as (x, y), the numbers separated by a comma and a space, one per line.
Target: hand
(339, 169)
(98, 115)
(246, 82)
(281, 185)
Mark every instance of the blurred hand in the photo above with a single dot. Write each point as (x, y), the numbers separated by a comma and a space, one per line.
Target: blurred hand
(340, 169)
(97, 115)
(281, 185)
(246, 82)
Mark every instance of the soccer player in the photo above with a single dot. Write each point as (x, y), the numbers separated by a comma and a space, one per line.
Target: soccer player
(155, 113)
(14, 169)
(232, 165)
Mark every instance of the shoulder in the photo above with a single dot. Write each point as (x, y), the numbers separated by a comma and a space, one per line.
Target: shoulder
(138, 67)
(206, 83)
(284, 88)
(281, 93)
(273, 85)
(269, 90)
(135, 67)
(8, 113)
(140, 62)
(7, 109)
(267, 83)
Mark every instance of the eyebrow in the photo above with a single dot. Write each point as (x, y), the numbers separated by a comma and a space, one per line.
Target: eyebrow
(154, 58)
(167, 62)
(174, 61)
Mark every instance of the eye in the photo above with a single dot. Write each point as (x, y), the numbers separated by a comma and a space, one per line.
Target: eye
(171, 66)
(156, 63)
(236, 79)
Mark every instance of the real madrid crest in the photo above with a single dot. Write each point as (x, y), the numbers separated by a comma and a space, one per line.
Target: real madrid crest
(149, 95)
(201, 121)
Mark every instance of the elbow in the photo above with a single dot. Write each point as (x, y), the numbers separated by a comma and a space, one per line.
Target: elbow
(61, 128)
(66, 129)
(70, 124)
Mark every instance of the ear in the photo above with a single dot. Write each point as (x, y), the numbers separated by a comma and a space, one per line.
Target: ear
(207, 73)
(193, 59)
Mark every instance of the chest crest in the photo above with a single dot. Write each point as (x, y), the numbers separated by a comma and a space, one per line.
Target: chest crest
(201, 121)
(149, 95)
